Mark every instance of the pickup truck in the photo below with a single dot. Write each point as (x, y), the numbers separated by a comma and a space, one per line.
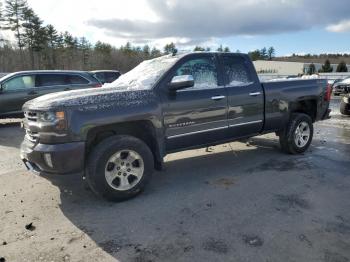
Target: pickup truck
(117, 135)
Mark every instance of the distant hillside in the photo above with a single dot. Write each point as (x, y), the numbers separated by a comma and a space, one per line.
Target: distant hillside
(334, 59)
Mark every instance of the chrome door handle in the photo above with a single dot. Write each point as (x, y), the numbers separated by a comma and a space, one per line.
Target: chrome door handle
(216, 98)
(255, 94)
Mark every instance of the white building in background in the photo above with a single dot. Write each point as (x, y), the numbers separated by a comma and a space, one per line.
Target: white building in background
(287, 68)
(278, 67)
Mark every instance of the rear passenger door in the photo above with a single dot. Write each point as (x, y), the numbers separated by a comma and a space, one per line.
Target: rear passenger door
(245, 96)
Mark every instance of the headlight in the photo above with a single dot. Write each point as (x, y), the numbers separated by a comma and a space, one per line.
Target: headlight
(346, 100)
(55, 118)
(47, 117)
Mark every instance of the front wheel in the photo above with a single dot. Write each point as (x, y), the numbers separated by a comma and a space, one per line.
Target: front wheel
(297, 136)
(119, 167)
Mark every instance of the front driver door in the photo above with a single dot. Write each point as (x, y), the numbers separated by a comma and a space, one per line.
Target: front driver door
(197, 115)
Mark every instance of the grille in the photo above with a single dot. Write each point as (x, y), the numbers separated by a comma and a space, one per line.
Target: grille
(32, 136)
(31, 116)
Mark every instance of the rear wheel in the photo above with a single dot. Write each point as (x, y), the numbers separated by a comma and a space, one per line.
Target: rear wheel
(297, 136)
(119, 167)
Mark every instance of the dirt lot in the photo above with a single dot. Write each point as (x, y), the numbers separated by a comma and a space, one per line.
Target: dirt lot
(238, 202)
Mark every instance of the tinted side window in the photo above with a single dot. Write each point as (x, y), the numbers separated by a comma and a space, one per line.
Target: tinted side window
(19, 82)
(111, 76)
(203, 71)
(236, 71)
(100, 76)
(77, 80)
(52, 80)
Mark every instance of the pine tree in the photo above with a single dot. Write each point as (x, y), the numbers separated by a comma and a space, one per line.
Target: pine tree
(326, 68)
(155, 52)
(220, 49)
(14, 18)
(52, 46)
(146, 51)
(263, 53)
(255, 55)
(271, 52)
(170, 49)
(342, 67)
(85, 47)
(226, 49)
(34, 36)
(198, 49)
(52, 36)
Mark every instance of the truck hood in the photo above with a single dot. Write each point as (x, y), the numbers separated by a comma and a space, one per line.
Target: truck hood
(90, 99)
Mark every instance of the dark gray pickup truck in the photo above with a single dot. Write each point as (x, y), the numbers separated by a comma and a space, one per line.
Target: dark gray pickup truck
(116, 135)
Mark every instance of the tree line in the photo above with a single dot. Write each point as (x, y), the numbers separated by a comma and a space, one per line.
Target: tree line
(39, 46)
(328, 68)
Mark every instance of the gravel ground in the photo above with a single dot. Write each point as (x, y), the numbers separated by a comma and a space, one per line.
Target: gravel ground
(237, 202)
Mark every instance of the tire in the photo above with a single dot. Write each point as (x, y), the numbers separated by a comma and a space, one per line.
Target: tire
(289, 137)
(343, 108)
(110, 171)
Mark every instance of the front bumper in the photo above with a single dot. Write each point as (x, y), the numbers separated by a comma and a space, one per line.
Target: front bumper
(63, 158)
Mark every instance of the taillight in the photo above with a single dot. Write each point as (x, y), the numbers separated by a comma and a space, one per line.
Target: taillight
(97, 85)
(328, 94)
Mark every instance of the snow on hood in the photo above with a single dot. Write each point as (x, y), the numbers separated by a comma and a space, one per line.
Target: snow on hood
(91, 98)
(131, 88)
(145, 75)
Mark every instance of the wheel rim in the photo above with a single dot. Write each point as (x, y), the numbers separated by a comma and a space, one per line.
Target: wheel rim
(302, 134)
(124, 170)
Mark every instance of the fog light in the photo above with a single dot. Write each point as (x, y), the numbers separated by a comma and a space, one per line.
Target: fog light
(48, 160)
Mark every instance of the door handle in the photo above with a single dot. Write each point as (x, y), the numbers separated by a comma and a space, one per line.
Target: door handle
(216, 98)
(255, 94)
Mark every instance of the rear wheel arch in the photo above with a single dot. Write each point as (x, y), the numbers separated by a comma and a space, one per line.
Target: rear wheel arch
(308, 107)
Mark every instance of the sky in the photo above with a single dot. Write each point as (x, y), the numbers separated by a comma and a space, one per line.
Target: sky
(291, 26)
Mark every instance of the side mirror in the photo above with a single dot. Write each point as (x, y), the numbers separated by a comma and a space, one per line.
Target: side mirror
(181, 82)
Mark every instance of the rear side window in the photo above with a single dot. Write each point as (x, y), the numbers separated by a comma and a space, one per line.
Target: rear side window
(111, 76)
(77, 80)
(52, 80)
(236, 71)
(100, 76)
(19, 83)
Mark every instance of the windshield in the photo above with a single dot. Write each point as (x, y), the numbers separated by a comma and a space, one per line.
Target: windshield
(145, 75)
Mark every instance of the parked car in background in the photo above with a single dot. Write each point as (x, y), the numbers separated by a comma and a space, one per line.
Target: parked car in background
(345, 105)
(20, 87)
(341, 86)
(118, 135)
(106, 76)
